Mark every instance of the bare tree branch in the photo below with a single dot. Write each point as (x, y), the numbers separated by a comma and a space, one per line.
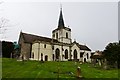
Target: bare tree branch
(3, 25)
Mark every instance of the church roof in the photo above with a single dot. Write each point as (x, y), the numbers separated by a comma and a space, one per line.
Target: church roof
(61, 21)
(30, 38)
(82, 47)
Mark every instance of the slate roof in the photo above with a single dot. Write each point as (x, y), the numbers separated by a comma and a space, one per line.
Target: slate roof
(82, 47)
(61, 21)
(30, 38)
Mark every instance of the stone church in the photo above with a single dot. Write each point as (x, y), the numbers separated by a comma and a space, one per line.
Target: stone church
(59, 47)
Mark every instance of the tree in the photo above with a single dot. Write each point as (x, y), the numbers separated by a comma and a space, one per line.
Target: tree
(3, 25)
(112, 53)
(7, 49)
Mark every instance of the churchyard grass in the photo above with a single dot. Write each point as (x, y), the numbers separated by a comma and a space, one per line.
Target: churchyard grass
(11, 68)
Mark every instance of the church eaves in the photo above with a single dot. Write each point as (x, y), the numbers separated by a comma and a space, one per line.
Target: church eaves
(82, 47)
(30, 38)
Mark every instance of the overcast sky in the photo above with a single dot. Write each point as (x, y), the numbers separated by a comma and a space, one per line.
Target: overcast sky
(93, 23)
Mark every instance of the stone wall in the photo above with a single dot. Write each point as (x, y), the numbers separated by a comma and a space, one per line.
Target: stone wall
(24, 48)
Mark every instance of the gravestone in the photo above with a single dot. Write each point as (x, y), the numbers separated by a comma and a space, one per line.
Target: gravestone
(79, 72)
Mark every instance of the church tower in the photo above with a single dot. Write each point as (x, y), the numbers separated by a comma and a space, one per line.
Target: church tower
(62, 33)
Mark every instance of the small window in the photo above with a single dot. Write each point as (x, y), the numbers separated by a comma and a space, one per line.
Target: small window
(66, 35)
(56, 35)
(44, 45)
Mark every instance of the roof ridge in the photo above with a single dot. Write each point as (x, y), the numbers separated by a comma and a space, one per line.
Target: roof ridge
(35, 35)
(30, 38)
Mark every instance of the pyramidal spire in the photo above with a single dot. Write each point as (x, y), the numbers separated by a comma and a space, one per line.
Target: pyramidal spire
(61, 21)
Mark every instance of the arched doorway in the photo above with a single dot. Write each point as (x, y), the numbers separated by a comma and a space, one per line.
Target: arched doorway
(46, 58)
(57, 53)
(84, 59)
(75, 54)
(66, 54)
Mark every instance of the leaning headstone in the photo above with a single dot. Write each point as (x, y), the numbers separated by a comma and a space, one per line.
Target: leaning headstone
(79, 72)
(20, 58)
(105, 66)
(99, 62)
(80, 62)
(94, 62)
(75, 63)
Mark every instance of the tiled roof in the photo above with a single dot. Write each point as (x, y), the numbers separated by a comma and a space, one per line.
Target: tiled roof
(30, 38)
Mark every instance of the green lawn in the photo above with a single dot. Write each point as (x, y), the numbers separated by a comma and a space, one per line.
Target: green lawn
(34, 69)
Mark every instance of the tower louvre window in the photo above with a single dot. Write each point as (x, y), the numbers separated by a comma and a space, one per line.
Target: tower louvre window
(56, 35)
(66, 35)
(44, 45)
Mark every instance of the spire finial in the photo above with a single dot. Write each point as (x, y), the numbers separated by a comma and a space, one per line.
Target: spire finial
(60, 6)
(61, 21)
(74, 40)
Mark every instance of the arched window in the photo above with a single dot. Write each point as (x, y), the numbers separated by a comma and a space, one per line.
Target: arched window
(75, 54)
(66, 54)
(66, 35)
(57, 53)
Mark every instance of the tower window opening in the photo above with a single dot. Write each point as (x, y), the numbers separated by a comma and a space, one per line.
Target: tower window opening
(44, 45)
(66, 35)
(56, 35)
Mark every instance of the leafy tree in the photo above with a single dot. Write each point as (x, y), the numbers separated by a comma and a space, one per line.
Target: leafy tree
(7, 49)
(112, 53)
